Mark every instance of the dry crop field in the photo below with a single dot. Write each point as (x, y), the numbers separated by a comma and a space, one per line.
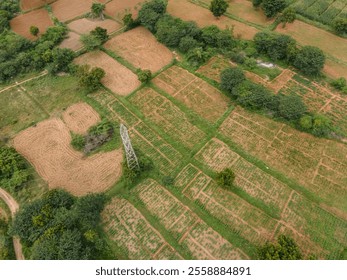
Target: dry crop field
(39, 18)
(72, 42)
(139, 47)
(27, 5)
(118, 78)
(66, 10)
(84, 25)
(190, 12)
(118, 8)
(195, 93)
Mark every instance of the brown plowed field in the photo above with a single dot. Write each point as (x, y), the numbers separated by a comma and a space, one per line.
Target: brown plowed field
(118, 8)
(203, 17)
(66, 10)
(80, 117)
(84, 25)
(39, 18)
(72, 42)
(118, 78)
(141, 48)
(47, 147)
(27, 5)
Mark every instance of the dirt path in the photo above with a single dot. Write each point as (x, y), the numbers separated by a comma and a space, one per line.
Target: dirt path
(25, 81)
(13, 205)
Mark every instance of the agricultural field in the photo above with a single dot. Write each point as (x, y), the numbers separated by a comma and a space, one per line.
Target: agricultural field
(128, 229)
(118, 78)
(27, 5)
(335, 69)
(39, 18)
(85, 25)
(66, 10)
(141, 49)
(118, 8)
(195, 93)
(72, 42)
(320, 10)
(317, 164)
(190, 12)
(201, 241)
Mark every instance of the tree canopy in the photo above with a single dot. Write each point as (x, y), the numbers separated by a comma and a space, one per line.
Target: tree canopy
(218, 7)
(230, 78)
(310, 60)
(285, 249)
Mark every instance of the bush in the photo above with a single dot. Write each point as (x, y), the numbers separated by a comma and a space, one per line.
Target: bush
(306, 122)
(288, 16)
(34, 30)
(129, 22)
(100, 34)
(97, 9)
(310, 60)
(78, 141)
(285, 249)
(144, 76)
(218, 7)
(321, 126)
(90, 42)
(187, 43)
(257, 3)
(225, 178)
(339, 83)
(230, 78)
(4, 20)
(198, 56)
(340, 25)
(291, 107)
(168, 181)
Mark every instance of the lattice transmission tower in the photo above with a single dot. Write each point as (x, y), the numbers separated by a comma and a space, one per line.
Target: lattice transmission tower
(129, 151)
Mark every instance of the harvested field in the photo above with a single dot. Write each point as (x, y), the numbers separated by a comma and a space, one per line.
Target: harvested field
(118, 8)
(315, 163)
(141, 49)
(47, 147)
(167, 116)
(307, 34)
(200, 239)
(84, 25)
(80, 117)
(27, 5)
(232, 211)
(194, 92)
(118, 78)
(72, 42)
(129, 230)
(39, 18)
(66, 10)
(335, 70)
(203, 17)
(163, 155)
(252, 180)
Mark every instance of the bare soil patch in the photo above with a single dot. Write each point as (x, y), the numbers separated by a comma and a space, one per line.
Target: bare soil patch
(85, 25)
(72, 42)
(47, 147)
(80, 117)
(141, 49)
(307, 34)
(68, 9)
(118, 78)
(118, 8)
(203, 17)
(27, 5)
(39, 18)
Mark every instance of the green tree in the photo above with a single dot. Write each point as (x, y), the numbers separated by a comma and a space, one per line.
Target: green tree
(34, 30)
(291, 107)
(4, 20)
(230, 78)
(339, 83)
(306, 122)
(90, 42)
(60, 60)
(272, 7)
(288, 16)
(144, 76)
(310, 60)
(187, 43)
(257, 3)
(97, 9)
(285, 249)
(128, 21)
(90, 78)
(321, 126)
(218, 7)
(340, 25)
(225, 178)
(151, 12)
(100, 34)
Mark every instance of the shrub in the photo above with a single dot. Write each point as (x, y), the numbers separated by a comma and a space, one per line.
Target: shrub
(272, 7)
(257, 3)
(187, 43)
(340, 25)
(288, 16)
(230, 78)
(225, 178)
(285, 249)
(34, 30)
(306, 122)
(100, 34)
(78, 141)
(321, 126)
(198, 56)
(168, 181)
(291, 107)
(339, 83)
(89, 78)
(4, 20)
(218, 7)
(97, 9)
(144, 76)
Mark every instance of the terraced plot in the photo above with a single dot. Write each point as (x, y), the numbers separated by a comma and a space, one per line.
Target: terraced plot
(308, 160)
(232, 211)
(200, 240)
(252, 180)
(167, 116)
(130, 231)
(194, 92)
(164, 156)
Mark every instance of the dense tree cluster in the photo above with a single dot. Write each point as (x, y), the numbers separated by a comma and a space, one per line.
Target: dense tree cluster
(19, 55)
(6, 243)
(13, 169)
(95, 38)
(285, 249)
(198, 44)
(61, 227)
(270, 7)
(8, 9)
(340, 25)
(310, 60)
